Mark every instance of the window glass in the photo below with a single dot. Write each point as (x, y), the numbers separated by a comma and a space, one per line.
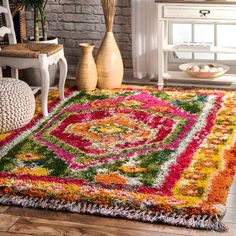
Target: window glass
(222, 35)
(204, 33)
(182, 33)
(226, 35)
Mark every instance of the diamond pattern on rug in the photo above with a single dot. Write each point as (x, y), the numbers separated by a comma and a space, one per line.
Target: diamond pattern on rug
(135, 152)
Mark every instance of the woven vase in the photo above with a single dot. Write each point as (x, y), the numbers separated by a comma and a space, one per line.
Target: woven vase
(109, 61)
(86, 74)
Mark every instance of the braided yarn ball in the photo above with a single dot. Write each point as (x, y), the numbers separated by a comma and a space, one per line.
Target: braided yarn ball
(17, 104)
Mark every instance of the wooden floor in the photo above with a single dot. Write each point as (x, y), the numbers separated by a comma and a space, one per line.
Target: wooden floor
(23, 221)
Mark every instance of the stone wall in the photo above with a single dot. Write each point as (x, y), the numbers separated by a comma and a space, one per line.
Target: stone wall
(77, 21)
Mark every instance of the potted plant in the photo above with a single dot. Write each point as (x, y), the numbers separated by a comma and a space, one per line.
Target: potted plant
(39, 18)
(32, 75)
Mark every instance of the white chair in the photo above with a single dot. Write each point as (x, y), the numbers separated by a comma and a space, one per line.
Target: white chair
(27, 55)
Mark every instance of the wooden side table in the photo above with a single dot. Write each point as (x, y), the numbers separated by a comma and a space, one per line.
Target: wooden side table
(199, 12)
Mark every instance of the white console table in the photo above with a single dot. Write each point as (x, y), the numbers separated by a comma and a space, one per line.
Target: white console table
(192, 11)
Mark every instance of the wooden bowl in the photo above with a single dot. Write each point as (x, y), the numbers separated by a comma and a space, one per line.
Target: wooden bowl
(187, 68)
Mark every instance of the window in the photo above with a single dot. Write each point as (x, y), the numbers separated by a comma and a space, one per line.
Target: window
(223, 35)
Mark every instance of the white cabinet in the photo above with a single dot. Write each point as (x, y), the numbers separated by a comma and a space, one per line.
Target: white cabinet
(191, 12)
(199, 12)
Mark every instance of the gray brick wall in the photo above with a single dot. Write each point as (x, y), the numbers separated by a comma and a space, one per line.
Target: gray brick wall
(77, 21)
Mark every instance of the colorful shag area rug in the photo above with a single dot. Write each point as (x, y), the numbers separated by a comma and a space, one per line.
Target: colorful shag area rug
(136, 152)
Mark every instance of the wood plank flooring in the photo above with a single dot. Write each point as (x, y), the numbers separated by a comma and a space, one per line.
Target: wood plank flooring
(15, 221)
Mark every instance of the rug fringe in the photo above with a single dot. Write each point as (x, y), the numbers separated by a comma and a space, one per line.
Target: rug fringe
(195, 221)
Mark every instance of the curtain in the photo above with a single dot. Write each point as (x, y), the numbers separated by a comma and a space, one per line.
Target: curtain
(144, 38)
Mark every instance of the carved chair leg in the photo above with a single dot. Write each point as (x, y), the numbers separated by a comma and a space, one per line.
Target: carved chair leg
(14, 73)
(43, 60)
(1, 75)
(63, 73)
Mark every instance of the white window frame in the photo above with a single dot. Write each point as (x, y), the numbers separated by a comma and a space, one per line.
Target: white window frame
(172, 61)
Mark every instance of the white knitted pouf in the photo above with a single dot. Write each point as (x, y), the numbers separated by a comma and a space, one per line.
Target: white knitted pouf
(17, 104)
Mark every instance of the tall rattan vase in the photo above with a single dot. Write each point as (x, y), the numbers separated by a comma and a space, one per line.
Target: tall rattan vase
(109, 61)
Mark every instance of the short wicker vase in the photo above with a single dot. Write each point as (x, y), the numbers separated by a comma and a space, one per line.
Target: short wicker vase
(86, 74)
(109, 61)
